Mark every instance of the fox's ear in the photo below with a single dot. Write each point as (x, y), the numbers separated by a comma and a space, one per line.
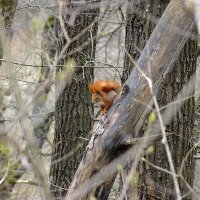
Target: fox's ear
(91, 87)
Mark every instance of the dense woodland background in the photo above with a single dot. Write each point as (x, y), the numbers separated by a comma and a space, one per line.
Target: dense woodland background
(53, 142)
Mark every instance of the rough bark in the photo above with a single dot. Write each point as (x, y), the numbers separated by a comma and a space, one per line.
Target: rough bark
(196, 183)
(181, 127)
(138, 30)
(74, 109)
(142, 16)
(126, 115)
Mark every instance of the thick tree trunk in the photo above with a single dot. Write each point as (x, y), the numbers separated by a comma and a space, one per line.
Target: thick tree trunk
(138, 30)
(181, 127)
(74, 109)
(142, 17)
(130, 110)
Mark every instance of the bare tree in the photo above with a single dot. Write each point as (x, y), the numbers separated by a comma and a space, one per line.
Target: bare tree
(73, 115)
(153, 181)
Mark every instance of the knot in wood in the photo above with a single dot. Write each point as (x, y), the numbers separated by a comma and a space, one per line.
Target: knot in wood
(125, 89)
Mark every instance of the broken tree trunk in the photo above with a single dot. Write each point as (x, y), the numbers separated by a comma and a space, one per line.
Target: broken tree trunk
(129, 110)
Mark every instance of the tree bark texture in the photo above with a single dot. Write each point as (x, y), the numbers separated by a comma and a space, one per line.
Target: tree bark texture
(129, 111)
(141, 19)
(74, 109)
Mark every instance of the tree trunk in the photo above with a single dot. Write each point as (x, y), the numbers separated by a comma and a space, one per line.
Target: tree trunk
(142, 16)
(128, 113)
(74, 109)
(138, 30)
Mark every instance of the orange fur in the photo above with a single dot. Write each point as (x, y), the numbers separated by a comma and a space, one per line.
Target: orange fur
(103, 93)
